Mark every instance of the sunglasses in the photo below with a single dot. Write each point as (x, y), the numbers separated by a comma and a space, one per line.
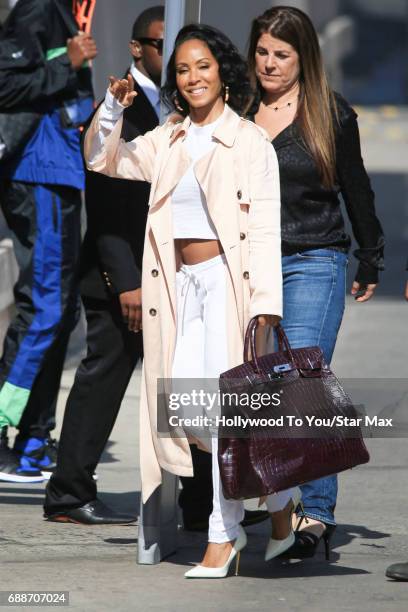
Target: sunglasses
(157, 43)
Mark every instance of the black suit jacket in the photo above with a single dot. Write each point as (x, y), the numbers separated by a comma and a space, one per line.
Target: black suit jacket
(112, 250)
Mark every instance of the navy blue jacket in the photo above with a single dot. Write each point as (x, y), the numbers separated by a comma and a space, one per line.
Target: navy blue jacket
(36, 75)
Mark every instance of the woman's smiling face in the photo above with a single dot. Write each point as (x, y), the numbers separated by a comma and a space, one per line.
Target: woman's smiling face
(197, 74)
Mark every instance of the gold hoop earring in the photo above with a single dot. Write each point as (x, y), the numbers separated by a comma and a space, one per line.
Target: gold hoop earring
(177, 103)
(226, 93)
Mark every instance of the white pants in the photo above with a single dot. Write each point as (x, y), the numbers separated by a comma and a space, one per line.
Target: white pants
(202, 352)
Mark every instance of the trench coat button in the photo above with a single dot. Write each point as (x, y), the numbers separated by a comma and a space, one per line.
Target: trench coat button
(105, 274)
(246, 274)
(155, 273)
(153, 312)
(239, 194)
(242, 236)
(109, 284)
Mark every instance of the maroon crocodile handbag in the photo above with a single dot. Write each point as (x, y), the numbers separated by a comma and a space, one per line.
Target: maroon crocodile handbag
(285, 420)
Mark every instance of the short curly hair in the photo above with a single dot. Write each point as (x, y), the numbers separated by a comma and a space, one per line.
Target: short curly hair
(233, 68)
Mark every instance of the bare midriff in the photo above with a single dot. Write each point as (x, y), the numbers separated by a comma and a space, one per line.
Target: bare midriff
(194, 250)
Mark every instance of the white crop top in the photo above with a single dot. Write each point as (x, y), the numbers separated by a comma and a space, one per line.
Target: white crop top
(189, 207)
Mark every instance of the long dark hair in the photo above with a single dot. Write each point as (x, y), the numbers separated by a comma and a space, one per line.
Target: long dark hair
(317, 103)
(233, 69)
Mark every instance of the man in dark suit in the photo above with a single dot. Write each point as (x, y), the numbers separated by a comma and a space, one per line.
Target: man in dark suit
(111, 264)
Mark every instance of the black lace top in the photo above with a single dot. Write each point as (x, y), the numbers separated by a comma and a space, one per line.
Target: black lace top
(311, 214)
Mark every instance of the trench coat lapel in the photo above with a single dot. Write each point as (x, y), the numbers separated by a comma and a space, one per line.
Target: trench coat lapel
(174, 164)
(211, 172)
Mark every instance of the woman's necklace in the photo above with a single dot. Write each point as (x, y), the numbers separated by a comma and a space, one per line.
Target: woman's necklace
(276, 108)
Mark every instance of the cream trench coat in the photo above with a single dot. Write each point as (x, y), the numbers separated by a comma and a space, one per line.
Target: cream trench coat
(240, 180)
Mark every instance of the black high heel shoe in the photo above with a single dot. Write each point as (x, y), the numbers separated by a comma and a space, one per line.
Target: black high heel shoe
(306, 543)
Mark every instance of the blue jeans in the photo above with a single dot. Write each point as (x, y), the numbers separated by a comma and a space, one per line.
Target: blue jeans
(314, 288)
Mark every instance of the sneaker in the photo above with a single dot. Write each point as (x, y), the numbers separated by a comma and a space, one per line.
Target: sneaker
(40, 453)
(14, 468)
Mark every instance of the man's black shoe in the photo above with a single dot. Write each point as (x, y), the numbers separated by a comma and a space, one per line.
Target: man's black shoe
(252, 517)
(93, 513)
(398, 571)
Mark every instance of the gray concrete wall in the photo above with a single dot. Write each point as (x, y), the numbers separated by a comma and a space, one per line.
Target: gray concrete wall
(233, 18)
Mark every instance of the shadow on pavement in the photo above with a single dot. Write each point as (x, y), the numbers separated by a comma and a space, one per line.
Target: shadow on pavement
(121, 541)
(252, 565)
(347, 533)
(22, 501)
(23, 496)
(297, 569)
(107, 456)
(128, 501)
(29, 490)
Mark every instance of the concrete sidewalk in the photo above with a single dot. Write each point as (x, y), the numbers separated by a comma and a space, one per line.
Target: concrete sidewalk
(98, 565)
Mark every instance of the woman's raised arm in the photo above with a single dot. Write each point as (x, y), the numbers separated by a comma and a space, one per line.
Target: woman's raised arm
(105, 151)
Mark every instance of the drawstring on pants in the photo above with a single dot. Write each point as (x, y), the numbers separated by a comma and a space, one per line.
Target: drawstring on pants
(189, 279)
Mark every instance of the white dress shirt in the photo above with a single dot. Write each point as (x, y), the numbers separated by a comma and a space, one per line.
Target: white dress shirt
(150, 89)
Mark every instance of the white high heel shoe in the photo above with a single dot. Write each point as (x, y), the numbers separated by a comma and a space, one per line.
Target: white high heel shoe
(199, 571)
(277, 547)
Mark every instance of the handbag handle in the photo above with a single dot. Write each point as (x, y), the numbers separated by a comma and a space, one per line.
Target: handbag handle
(283, 341)
(250, 341)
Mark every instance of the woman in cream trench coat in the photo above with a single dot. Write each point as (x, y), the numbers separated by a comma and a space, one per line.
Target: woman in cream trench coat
(240, 180)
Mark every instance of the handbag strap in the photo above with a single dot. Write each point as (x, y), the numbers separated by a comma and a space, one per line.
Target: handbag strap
(250, 341)
(283, 342)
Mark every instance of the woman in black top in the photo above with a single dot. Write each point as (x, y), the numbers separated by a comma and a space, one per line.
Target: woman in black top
(316, 137)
